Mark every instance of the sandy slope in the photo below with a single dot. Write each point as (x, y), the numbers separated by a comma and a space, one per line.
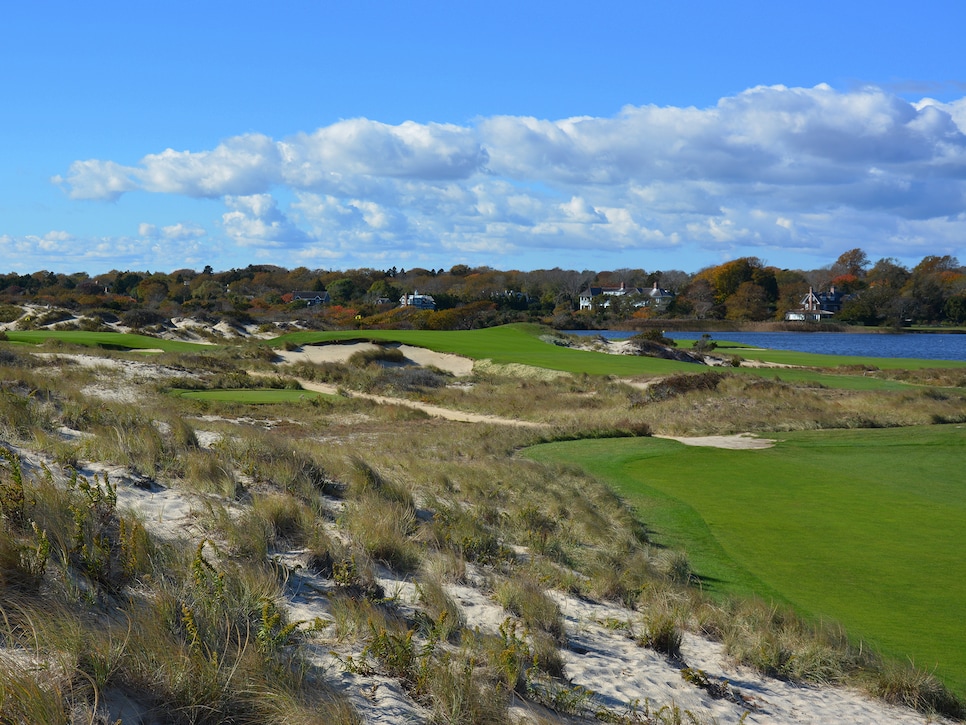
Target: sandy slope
(601, 654)
(601, 657)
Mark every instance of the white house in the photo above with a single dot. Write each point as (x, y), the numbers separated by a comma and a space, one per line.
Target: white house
(421, 302)
(811, 310)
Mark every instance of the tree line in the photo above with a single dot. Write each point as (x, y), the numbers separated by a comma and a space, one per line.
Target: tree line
(745, 289)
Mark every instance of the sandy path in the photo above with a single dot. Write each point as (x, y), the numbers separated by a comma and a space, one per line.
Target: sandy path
(434, 410)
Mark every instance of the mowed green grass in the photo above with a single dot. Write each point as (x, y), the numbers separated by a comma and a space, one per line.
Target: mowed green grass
(517, 343)
(521, 343)
(249, 396)
(108, 340)
(865, 527)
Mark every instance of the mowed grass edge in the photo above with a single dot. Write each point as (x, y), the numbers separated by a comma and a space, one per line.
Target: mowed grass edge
(860, 526)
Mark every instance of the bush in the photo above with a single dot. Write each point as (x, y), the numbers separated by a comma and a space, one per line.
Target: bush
(654, 336)
(9, 313)
(379, 354)
(139, 318)
(411, 379)
(705, 344)
(675, 385)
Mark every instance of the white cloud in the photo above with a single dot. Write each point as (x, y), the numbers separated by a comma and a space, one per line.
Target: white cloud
(256, 221)
(242, 165)
(769, 168)
(359, 147)
(61, 251)
(93, 179)
(183, 231)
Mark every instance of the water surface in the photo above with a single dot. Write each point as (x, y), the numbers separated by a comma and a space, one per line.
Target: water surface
(925, 346)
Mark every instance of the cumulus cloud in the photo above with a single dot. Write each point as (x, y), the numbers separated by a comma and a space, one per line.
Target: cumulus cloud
(256, 221)
(769, 167)
(322, 160)
(93, 179)
(61, 251)
(176, 232)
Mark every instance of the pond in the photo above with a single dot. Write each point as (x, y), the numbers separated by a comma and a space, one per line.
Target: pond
(925, 346)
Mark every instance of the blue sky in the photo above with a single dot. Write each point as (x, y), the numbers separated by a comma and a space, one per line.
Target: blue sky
(516, 135)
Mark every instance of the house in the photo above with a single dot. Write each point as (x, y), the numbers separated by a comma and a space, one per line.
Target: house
(586, 298)
(312, 297)
(660, 298)
(420, 302)
(832, 300)
(657, 298)
(813, 309)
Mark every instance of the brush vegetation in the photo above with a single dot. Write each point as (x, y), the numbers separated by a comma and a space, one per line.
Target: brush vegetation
(370, 516)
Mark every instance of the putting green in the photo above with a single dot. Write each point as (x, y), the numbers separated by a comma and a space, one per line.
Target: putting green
(861, 526)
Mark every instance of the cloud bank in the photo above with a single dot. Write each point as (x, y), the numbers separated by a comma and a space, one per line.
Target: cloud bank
(763, 172)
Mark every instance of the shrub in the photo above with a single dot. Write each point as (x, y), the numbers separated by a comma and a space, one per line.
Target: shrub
(9, 313)
(654, 335)
(411, 379)
(704, 344)
(139, 318)
(675, 385)
(379, 354)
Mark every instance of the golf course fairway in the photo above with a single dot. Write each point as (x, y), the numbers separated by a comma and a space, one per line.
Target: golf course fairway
(864, 527)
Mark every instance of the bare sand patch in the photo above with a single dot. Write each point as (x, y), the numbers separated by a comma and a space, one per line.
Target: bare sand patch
(341, 352)
(435, 411)
(741, 441)
(518, 370)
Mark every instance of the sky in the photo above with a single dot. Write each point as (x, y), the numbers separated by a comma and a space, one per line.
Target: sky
(515, 135)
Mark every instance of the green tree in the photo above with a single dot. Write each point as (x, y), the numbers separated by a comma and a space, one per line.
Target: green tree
(955, 308)
(341, 290)
(749, 302)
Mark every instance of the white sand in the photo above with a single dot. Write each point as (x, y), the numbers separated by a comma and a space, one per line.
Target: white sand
(339, 352)
(435, 411)
(741, 441)
(608, 662)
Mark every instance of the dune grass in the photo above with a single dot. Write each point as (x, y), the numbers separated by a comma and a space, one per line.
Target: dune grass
(863, 526)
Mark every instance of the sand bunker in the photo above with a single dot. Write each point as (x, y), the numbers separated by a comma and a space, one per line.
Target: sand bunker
(338, 352)
(742, 441)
